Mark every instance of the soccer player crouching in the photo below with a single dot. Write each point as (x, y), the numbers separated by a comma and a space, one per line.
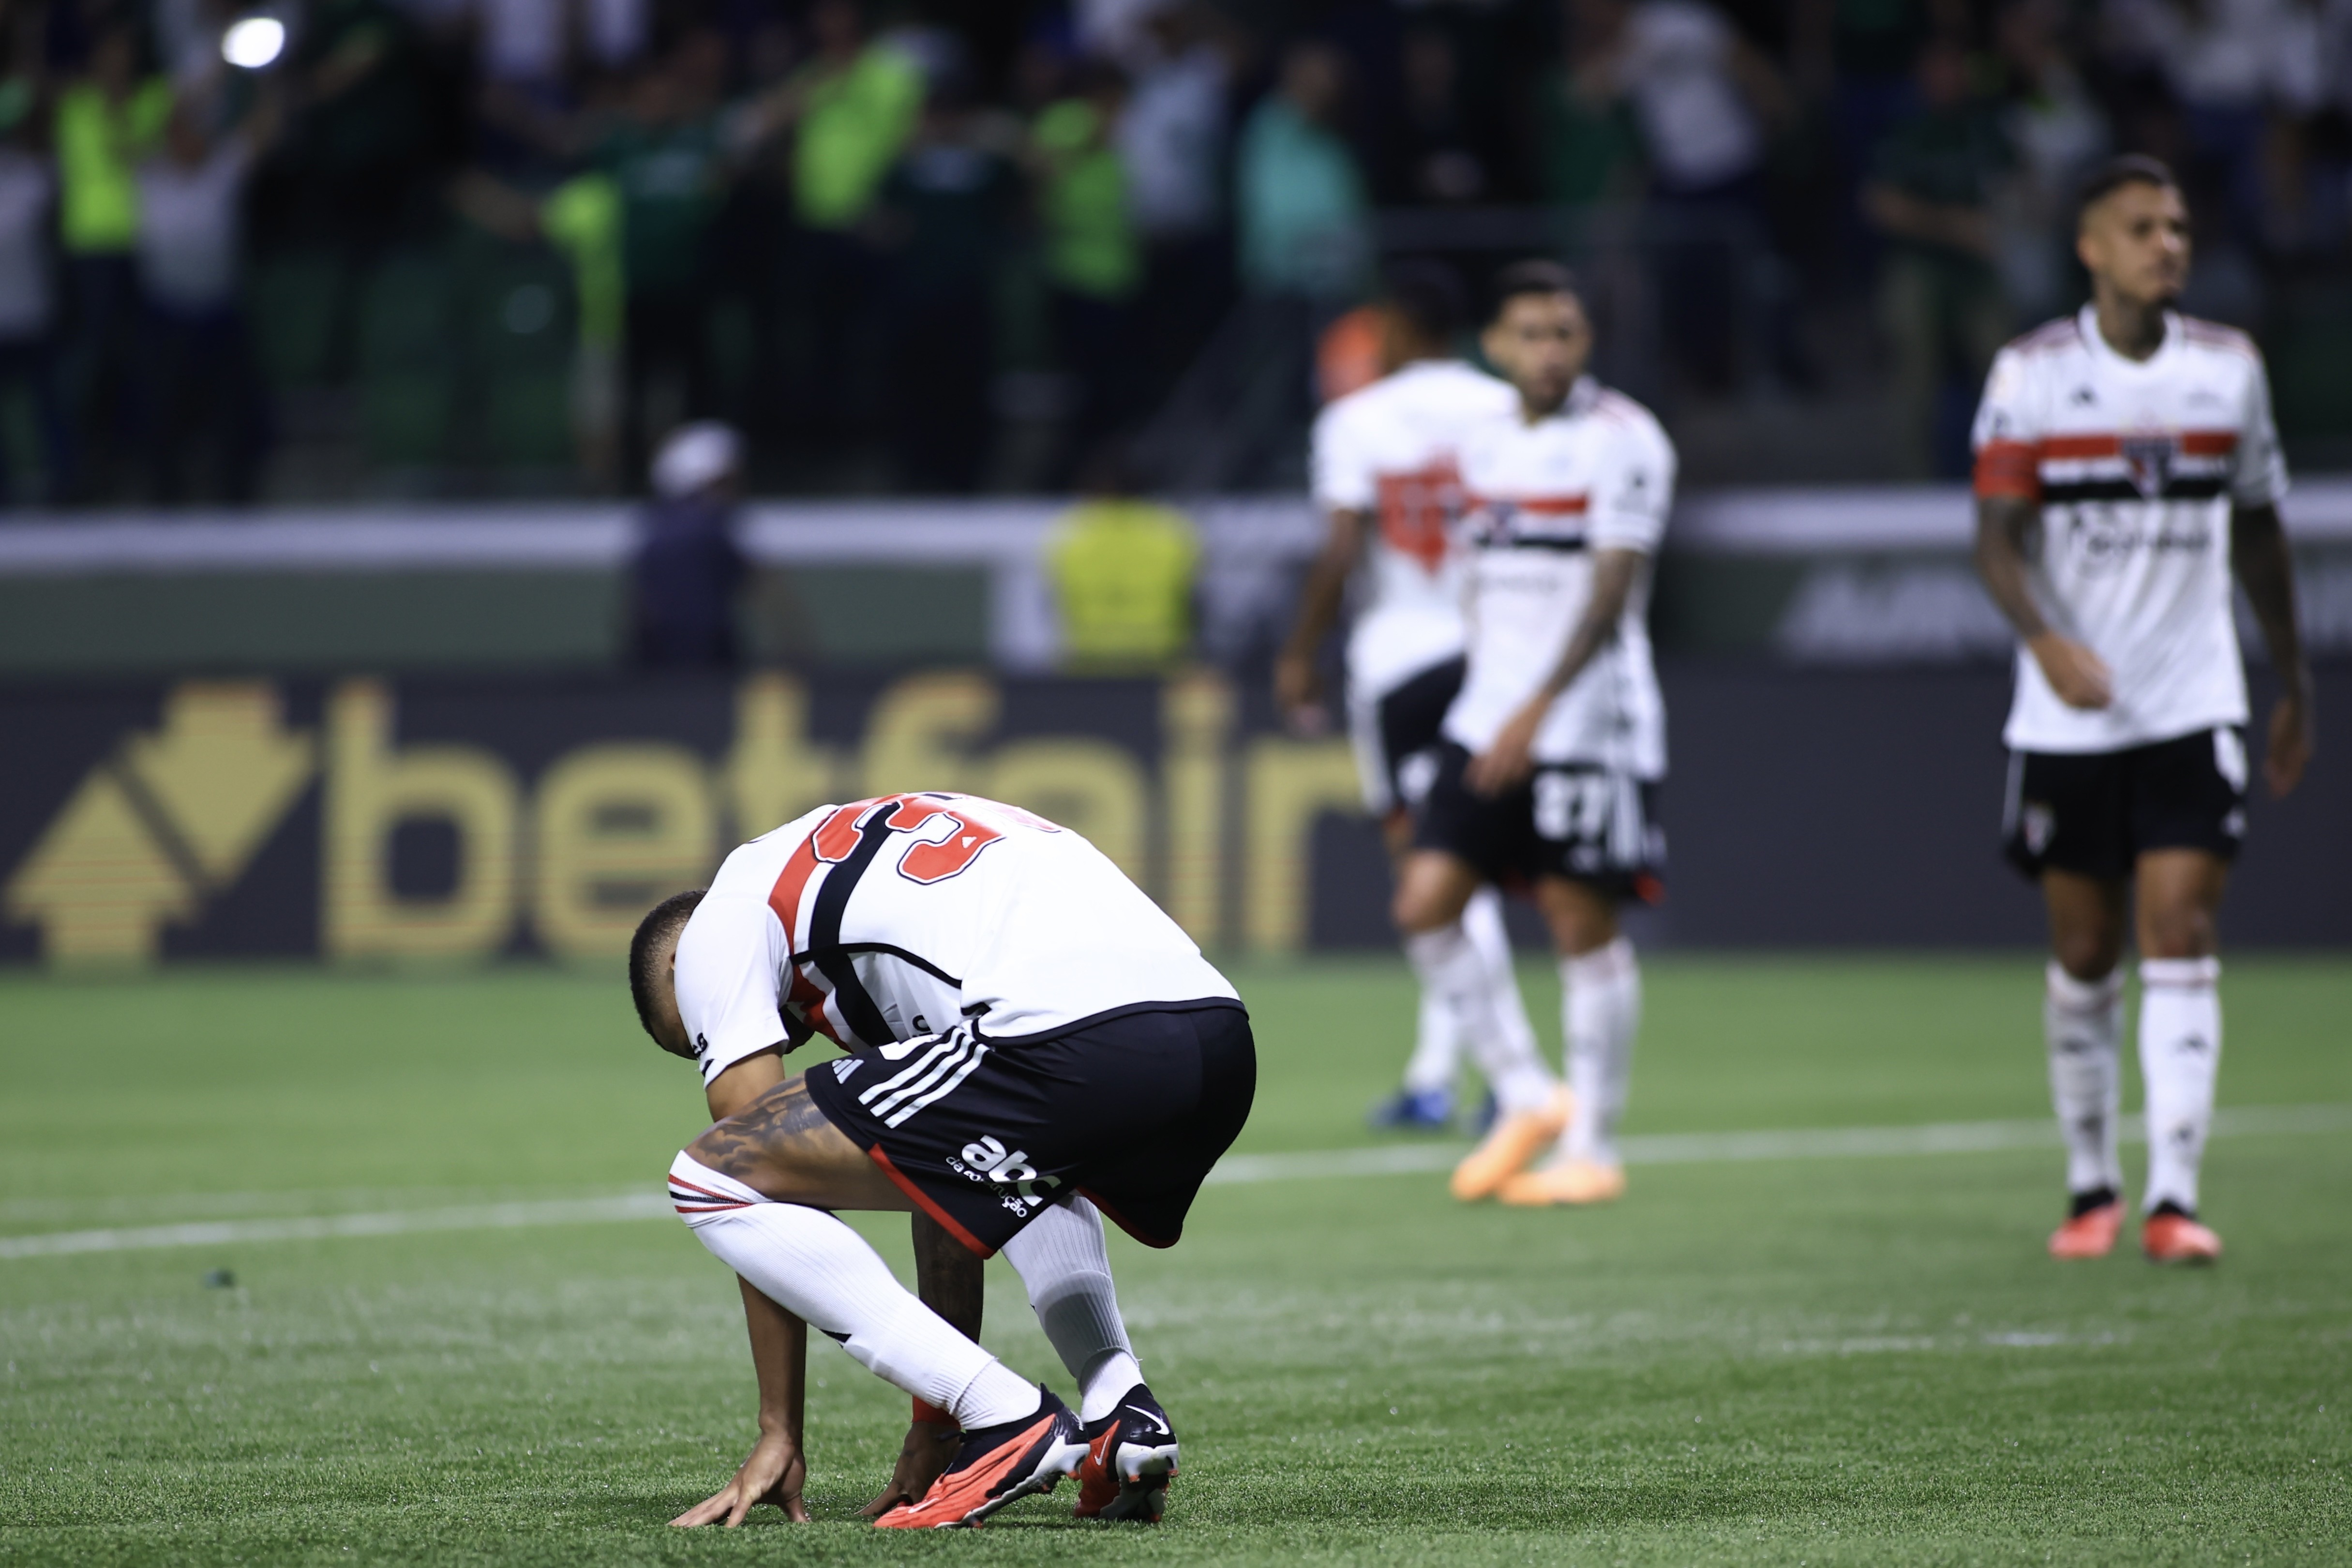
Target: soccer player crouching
(2125, 465)
(1033, 1044)
(1387, 478)
(1554, 750)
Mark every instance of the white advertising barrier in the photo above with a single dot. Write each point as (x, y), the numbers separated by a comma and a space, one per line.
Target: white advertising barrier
(1914, 602)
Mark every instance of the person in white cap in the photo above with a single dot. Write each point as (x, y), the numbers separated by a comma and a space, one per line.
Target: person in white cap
(688, 565)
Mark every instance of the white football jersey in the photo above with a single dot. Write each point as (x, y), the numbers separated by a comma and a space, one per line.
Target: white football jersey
(2136, 464)
(888, 919)
(1390, 449)
(1596, 474)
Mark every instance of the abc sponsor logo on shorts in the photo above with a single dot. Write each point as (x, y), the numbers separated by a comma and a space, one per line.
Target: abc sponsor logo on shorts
(988, 1160)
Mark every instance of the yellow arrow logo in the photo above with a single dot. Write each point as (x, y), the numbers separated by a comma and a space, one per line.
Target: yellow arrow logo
(169, 821)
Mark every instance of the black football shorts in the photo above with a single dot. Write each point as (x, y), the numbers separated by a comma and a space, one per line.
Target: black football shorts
(1395, 736)
(1586, 823)
(1128, 1110)
(2095, 812)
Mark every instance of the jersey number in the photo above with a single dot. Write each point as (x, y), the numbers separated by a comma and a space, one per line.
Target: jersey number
(953, 837)
(1574, 807)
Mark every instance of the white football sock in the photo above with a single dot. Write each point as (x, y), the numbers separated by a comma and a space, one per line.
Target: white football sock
(1601, 1012)
(2179, 1056)
(1435, 1046)
(812, 1265)
(1062, 1260)
(1481, 922)
(1449, 965)
(2083, 1026)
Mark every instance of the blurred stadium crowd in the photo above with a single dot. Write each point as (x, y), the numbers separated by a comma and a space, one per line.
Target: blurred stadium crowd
(498, 247)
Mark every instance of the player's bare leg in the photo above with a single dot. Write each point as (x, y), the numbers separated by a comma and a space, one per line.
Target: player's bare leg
(1431, 892)
(2178, 908)
(1601, 1012)
(1441, 1033)
(2081, 1026)
(1424, 1099)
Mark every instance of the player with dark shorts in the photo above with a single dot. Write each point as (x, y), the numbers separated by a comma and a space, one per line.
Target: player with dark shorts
(2126, 470)
(1407, 727)
(2093, 813)
(1385, 475)
(1587, 823)
(1548, 774)
(1130, 1113)
(1032, 1044)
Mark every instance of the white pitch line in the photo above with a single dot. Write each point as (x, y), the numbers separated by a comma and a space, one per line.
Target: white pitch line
(1795, 1144)
(1395, 1159)
(334, 1227)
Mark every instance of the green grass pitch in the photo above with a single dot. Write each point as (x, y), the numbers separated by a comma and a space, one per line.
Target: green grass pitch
(1850, 1360)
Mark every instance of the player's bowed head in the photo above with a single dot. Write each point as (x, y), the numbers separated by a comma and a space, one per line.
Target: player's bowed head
(653, 964)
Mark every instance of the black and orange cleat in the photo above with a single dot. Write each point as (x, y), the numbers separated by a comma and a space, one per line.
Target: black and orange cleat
(996, 1466)
(1131, 1458)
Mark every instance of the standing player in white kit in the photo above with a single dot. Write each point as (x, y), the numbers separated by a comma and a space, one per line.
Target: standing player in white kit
(1385, 474)
(2126, 466)
(1554, 751)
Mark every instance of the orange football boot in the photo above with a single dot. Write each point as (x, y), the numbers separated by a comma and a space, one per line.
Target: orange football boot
(1518, 1136)
(2177, 1239)
(2090, 1234)
(1570, 1181)
(996, 1466)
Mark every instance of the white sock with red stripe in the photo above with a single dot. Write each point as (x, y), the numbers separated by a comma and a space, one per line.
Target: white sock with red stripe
(1481, 922)
(2180, 1057)
(812, 1265)
(1449, 964)
(1601, 1012)
(2083, 1025)
(1062, 1259)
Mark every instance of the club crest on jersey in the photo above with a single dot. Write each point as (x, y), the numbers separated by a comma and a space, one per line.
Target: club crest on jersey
(2149, 460)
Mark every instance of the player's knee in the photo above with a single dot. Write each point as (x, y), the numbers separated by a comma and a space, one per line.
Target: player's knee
(703, 1192)
(1415, 910)
(2181, 932)
(2088, 956)
(1583, 929)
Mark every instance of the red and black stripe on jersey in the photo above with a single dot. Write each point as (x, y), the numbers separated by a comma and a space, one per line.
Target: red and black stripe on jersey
(845, 846)
(2102, 466)
(1531, 522)
(849, 1001)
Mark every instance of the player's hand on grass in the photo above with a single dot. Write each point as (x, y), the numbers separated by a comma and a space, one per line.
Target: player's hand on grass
(926, 1453)
(1299, 692)
(1505, 764)
(774, 1472)
(2080, 677)
(2290, 748)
